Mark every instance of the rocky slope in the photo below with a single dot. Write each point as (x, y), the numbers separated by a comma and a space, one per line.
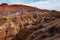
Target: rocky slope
(20, 22)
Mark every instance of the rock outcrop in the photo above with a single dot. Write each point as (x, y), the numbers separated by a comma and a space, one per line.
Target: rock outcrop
(20, 22)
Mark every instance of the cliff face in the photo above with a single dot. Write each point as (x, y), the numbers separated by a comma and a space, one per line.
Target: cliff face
(20, 22)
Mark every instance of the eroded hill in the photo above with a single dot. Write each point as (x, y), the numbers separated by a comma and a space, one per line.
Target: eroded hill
(20, 22)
